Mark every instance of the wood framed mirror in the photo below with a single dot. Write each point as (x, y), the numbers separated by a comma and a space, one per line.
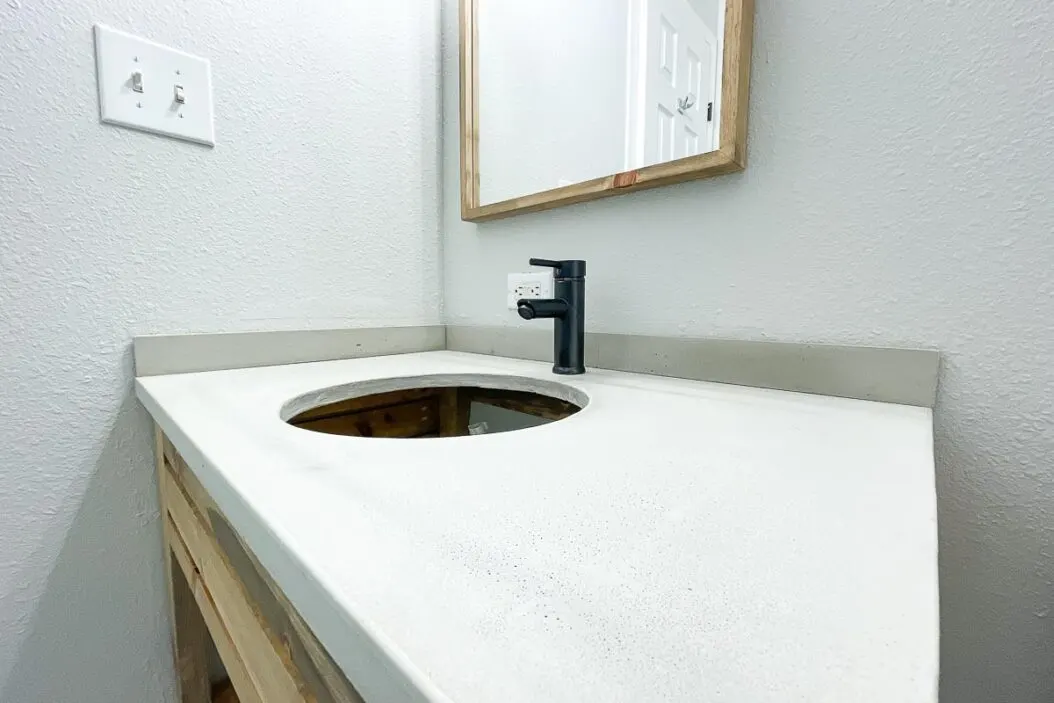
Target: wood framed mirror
(564, 101)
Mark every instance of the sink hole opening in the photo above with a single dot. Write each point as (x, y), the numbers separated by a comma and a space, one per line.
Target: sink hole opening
(436, 411)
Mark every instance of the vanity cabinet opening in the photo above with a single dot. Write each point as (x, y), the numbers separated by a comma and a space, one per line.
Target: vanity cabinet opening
(422, 413)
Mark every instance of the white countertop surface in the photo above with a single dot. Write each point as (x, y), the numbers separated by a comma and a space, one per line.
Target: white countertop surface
(674, 541)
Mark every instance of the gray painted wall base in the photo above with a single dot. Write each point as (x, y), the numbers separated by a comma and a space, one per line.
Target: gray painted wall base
(904, 376)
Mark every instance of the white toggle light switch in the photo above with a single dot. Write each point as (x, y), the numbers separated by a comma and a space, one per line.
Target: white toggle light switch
(144, 85)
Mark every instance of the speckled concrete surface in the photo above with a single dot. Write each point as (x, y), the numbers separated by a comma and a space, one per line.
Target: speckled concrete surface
(317, 209)
(673, 542)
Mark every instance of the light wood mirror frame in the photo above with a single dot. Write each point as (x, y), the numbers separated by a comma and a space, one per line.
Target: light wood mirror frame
(731, 156)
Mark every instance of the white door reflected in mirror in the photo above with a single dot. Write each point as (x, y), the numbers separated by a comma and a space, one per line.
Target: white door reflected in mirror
(574, 90)
(671, 99)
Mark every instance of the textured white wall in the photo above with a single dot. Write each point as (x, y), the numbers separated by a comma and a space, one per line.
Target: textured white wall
(318, 208)
(901, 191)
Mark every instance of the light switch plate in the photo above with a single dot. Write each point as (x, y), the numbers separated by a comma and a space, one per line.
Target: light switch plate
(119, 57)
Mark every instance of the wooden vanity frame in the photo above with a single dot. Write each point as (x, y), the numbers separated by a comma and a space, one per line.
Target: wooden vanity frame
(731, 155)
(218, 589)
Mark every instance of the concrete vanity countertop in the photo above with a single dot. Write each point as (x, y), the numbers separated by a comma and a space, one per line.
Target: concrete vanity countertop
(673, 541)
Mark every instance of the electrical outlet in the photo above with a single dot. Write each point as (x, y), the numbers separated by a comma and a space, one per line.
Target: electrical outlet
(529, 286)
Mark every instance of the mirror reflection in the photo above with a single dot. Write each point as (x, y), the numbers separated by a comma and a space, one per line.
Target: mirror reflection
(572, 90)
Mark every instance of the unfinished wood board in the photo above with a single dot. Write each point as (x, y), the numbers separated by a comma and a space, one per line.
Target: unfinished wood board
(407, 420)
(454, 407)
(271, 673)
(469, 70)
(189, 631)
(232, 660)
(191, 642)
(267, 630)
(366, 402)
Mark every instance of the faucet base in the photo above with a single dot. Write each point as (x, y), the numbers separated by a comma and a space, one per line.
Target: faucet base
(568, 370)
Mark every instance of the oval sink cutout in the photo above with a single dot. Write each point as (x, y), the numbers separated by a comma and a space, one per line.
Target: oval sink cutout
(425, 407)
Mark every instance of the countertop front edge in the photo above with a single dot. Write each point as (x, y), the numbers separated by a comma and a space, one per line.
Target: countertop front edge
(302, 586)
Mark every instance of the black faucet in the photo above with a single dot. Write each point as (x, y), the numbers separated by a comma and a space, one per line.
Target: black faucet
(568, 307)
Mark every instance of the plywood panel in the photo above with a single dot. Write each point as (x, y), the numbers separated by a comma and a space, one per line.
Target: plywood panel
(407, 420)
(368, 402)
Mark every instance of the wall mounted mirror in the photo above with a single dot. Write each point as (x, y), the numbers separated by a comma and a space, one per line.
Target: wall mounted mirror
(564, 101)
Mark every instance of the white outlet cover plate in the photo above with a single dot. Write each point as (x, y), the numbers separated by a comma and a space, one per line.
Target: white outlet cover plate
(119, 55)
(529, 285)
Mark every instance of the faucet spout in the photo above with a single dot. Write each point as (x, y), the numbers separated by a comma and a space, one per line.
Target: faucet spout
(543, 308)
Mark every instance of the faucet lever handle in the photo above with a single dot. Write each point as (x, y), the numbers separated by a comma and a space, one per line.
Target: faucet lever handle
(570, 268)
(546, 262)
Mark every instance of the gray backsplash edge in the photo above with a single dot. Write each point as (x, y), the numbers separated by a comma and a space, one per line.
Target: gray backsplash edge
(902, 376)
